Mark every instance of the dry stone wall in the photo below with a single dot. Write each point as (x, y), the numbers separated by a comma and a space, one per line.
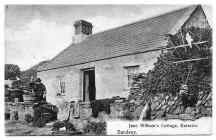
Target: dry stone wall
(166, 106)
(18, 111)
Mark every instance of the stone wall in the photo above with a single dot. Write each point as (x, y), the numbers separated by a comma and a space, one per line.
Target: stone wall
(82, 114)
(117, 110)
(21, 108)
(167, 106)
(84, 111)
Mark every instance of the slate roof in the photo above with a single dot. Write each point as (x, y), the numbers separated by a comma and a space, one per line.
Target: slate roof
(142, 36)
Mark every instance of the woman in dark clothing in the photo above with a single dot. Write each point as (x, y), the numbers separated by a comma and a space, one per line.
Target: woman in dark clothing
(39, 89)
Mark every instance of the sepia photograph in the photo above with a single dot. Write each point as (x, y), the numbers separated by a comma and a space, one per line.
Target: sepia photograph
(101, 70)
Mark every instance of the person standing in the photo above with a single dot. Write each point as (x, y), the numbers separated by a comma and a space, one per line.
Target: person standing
(40, 90)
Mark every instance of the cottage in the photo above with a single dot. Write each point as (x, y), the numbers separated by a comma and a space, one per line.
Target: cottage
(100, 65)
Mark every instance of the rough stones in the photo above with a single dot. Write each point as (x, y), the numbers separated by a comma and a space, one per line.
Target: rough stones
(132, 101)
(206, 112)
(138, 102)
(159, 114)
(165, 105)
(190, 110)
(137, 112)
(198, 103)
(177, 110)
(186, 117)
(172, 116)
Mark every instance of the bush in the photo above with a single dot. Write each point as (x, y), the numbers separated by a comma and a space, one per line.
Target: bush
(15, 93)
(43, 114)
(128, 116)
(28, 118)
(69, 126)
(15, 115)
(95, 128)
(7, 115)
(127, 113)
(56, 126)
(39, 122)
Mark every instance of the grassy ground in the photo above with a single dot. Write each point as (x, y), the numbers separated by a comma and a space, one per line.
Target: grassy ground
(16, 128)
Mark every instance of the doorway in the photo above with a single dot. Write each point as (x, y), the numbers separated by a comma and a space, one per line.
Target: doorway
(89, 90)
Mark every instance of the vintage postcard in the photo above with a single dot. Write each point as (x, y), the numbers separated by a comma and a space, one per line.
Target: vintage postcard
(78, 70)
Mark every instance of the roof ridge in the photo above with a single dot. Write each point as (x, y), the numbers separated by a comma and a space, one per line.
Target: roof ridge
(141, 20)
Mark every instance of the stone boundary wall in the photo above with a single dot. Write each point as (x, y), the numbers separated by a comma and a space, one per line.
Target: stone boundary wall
(167, 106)
(21, 108)
(117, 110)
(84, 111)
(81, 115)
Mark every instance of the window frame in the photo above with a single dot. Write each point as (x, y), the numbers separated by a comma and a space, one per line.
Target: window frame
(61, 85)
(128, 73)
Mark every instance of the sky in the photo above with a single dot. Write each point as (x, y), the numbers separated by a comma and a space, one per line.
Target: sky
(35, 33)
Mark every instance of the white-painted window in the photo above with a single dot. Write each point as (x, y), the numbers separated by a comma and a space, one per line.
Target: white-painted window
(130, 71)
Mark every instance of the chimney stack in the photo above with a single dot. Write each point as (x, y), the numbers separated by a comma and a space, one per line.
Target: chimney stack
(82, 30)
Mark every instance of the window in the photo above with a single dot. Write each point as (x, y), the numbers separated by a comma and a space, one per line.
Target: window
(130, 71)
(62, 86)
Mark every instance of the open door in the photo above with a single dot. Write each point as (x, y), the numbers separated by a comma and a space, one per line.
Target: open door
(89, 85)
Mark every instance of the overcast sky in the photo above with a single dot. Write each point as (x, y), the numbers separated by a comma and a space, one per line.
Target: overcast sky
(34, 33)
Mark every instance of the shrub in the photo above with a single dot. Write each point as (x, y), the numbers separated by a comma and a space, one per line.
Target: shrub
(43, 114)
(7, 115)
(127, 113)
(39, 122)
(28, 118)
(69, 126)
(56, 126)
(15, 115)
(95, 128)
(128, 116)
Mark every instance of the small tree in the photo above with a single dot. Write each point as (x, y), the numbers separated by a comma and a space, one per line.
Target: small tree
(12, 71)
